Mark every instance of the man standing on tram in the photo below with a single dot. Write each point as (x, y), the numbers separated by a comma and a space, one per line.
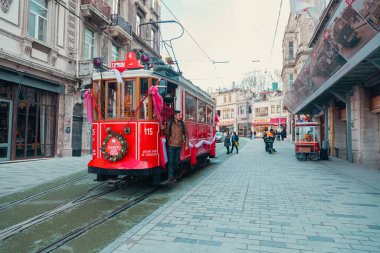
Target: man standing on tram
(176, 135)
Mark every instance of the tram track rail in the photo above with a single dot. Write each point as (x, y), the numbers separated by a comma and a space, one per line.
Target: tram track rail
(17, 228)
(19, 201)
(81, 230)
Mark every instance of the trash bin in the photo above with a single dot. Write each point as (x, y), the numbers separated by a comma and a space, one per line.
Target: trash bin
(336, 152)
(323, 154)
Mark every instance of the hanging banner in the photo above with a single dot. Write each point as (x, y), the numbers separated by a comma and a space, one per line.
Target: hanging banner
(348, 38)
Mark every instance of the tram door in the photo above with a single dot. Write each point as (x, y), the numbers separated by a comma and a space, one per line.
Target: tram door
(5, 129)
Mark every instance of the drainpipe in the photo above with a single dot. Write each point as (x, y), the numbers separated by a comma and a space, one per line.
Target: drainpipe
(78, 43)
(348, 125)
(332, 132)
(326, 128)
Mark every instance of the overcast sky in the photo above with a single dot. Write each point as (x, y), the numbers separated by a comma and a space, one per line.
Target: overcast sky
(238, 31)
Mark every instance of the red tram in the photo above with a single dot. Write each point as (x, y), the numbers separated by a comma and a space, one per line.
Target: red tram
(128, 104)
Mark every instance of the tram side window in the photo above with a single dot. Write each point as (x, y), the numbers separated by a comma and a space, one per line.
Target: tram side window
(143, 91)
(111, 100)
(210, 118)
(201, 111)
(127, 100)
(190, 107)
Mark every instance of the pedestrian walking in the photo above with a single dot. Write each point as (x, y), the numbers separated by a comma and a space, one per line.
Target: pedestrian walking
(227, 142)
(254, 134)
(283, 134)
(250, 134)
(235, 142)
(176, 136)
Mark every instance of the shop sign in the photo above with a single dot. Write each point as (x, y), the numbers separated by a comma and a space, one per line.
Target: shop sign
(261, 121)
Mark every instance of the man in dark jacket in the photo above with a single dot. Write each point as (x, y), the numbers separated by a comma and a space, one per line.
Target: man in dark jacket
(176, 136)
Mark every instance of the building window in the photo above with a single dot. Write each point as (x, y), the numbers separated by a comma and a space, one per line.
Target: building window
(242, 110)
(37, 23)
(154, 4)
(291, 50)
(249, 109)
(232, 113)
(261, 111)
(36, 123)
(138, 22)
(229, 97)
(88, 44)
(153, 37)
(272, 109)
(225, 99)
(278, 109)
(290, 79)
(115, 53)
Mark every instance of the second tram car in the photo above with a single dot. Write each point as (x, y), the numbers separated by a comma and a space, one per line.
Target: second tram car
(127, 136)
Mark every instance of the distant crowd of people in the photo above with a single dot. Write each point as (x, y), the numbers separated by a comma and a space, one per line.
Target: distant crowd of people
(232, 140)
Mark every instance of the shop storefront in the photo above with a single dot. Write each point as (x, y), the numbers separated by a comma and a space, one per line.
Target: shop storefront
(243, 129)
(226, 125)
(28, 116)
(260, 126)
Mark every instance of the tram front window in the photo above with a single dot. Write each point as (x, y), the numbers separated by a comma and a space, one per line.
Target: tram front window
(111, 92)
(143, 91)
(127, 100)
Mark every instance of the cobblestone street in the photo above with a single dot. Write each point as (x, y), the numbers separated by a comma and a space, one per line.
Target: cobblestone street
(256, 202)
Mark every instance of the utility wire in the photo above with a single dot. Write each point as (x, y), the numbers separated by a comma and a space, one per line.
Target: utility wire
(275, 32)
(196, 43)
(191, 37)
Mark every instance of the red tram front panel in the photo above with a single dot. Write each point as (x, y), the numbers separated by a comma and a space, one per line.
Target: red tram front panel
(143, 143)
(148, 142)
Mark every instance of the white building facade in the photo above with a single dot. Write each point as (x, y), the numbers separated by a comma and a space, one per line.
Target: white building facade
(235, 110)
(269, 113)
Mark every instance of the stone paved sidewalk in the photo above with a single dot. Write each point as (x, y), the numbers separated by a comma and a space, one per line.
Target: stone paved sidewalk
(20, 176)
(256, 202)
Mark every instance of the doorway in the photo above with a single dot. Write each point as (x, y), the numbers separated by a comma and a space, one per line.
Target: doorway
(76, 141)
(5, 129)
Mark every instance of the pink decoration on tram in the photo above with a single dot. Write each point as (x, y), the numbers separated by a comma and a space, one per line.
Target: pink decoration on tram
(88, 103)
(193, 155)
(157, 101)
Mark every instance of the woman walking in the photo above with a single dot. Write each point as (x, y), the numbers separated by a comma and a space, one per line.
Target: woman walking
(227, 142)
(235, 142)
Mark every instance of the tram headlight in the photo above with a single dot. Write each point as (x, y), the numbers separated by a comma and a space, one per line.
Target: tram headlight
(98, 62)
(144, 58)
(127, 130)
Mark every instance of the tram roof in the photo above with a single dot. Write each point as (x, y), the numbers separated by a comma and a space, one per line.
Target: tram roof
(179, 80)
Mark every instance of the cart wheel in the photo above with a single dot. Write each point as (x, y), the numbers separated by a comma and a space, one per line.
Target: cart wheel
(301, 156)
(314, 156)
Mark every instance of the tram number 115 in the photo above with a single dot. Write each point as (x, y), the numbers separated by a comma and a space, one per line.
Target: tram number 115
(148, 131)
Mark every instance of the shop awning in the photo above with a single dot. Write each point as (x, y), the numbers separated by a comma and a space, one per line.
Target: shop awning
(30, 81)
(276, 121)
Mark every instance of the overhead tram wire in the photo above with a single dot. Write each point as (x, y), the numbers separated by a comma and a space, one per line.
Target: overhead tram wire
(192, 38)
(275, 32)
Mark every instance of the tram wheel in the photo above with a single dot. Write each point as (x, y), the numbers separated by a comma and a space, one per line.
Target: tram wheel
(301, 156)
(314, 156)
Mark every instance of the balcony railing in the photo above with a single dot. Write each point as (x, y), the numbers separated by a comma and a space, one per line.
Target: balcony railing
(117, 20)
